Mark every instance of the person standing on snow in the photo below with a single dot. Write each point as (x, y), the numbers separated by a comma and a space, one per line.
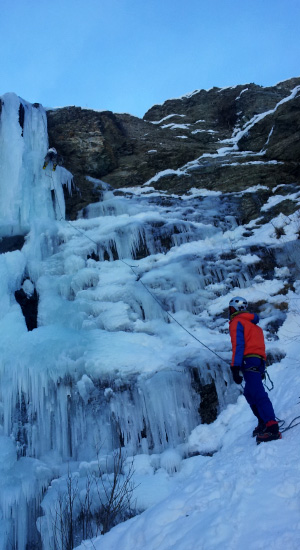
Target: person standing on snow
(249, 362)
(51, 156)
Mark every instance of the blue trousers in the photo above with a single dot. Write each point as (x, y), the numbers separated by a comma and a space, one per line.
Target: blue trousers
(254, 390)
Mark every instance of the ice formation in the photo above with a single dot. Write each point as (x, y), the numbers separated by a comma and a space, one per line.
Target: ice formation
(110, 362)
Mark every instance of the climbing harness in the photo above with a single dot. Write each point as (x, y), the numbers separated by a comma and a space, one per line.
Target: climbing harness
(269, 379)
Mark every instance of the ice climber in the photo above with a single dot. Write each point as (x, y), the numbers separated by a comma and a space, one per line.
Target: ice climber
(249, 363)
(51, 156)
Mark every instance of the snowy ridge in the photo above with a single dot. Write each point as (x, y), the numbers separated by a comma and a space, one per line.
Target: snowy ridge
(239, 134)
(165, 118)
(231, 149)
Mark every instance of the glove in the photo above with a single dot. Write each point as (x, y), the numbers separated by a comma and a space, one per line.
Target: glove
(238, 379)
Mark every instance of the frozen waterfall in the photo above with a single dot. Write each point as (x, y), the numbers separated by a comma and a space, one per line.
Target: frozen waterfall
(106, 366)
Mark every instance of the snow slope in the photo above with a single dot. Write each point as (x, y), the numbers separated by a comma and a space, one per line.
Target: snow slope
(244, 496)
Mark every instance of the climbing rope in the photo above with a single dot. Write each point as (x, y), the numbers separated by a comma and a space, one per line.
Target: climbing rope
(280, 422)
(145, 287)
(179, 324)
(290, 426)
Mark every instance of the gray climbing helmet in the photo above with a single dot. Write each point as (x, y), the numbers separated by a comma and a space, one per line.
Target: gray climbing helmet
(239, 303)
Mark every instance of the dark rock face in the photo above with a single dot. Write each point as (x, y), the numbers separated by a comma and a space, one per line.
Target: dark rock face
(222, 139)
(9, 244)
(118, 149)
(90, 144)
(209, 403)
(284, 129)
(29, 307)
(220, 109)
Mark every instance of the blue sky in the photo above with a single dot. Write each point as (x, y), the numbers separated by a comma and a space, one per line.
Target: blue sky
(127, 55)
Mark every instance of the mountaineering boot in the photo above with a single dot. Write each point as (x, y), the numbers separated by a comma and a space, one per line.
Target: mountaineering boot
(54, 167)
(259, 428)
(270, 432)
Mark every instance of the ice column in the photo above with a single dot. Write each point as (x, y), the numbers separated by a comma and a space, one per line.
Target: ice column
(27, 192)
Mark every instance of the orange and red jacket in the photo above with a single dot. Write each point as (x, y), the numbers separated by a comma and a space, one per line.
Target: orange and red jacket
(246, 337)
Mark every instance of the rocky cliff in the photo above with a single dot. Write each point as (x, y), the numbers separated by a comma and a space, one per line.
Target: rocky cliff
(222, 139)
